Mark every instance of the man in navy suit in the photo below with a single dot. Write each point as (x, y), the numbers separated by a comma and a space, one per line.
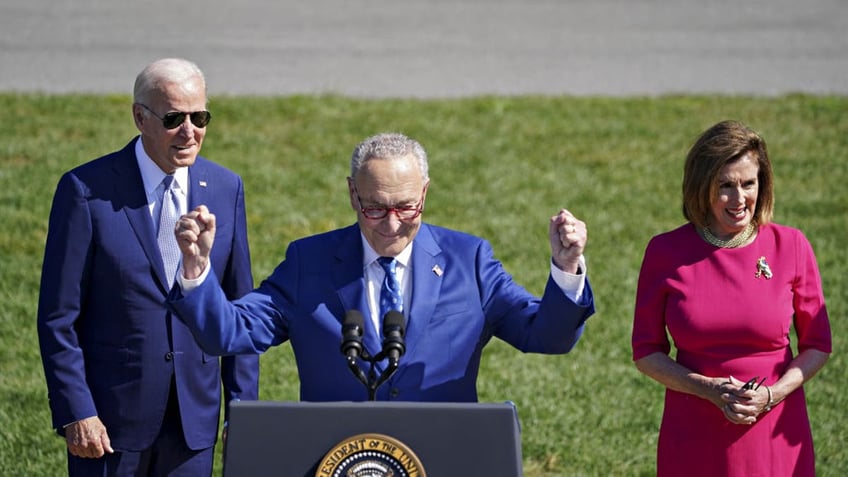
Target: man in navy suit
(128, 386)
(454, 295)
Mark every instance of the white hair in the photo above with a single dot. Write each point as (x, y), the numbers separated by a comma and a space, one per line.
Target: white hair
(166, 70)
(388, 146)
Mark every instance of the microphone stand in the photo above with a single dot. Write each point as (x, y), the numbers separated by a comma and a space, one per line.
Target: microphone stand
(357, 371)
(393, 348)
(372, 381)
(384, 376)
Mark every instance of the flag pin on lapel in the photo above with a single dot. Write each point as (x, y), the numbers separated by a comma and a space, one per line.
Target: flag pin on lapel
(437, 270)
(202, 183)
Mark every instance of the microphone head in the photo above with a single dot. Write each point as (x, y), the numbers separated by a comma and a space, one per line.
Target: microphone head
(353, 320)
(352, 334)
(394, 321)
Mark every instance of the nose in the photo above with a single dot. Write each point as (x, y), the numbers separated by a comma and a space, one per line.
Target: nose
(392, 220)
(186, 127)
(736, 195)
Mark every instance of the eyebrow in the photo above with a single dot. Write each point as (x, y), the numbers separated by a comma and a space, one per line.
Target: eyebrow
(406, 203)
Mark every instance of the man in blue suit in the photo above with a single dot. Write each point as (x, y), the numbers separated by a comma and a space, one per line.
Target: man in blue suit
(453, 294)
(128, 386)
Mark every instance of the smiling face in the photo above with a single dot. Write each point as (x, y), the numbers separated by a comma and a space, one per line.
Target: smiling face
(735, 203)
(178, 147)
(396, 183)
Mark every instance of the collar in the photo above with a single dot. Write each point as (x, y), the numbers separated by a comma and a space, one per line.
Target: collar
(152, 175)
(370, 256)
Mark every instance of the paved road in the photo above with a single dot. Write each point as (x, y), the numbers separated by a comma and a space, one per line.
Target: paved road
(433, 48)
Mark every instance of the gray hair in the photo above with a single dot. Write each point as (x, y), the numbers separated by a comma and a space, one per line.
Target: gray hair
(160, 72)
(388, 146)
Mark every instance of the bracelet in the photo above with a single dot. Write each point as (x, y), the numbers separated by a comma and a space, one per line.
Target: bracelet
(770, 401)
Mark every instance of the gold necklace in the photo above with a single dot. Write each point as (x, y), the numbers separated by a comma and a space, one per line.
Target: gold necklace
(734, 242)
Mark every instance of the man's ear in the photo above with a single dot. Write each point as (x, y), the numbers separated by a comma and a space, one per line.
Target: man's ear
(138, 116)
(351, 193)
(424, 194)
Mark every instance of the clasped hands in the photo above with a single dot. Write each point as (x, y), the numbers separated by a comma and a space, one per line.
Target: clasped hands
(742, 402)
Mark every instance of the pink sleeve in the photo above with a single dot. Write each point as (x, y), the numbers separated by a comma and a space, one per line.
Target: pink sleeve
(649, 330)
(811, 321)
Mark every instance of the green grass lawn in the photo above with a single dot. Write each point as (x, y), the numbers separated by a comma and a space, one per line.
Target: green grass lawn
(500, 167)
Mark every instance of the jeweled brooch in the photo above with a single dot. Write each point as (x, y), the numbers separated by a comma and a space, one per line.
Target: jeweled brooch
(763, 269)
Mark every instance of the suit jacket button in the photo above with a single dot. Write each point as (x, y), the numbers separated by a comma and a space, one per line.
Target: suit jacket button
(395, 392)
(169, 356)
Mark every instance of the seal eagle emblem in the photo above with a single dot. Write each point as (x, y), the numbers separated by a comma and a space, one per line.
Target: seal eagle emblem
(370, 455)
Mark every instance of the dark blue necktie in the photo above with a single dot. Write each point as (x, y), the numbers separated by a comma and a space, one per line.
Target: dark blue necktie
(390, 295)
(169, 212)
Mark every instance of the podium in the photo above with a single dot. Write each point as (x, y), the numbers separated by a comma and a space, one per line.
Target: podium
(304, 439)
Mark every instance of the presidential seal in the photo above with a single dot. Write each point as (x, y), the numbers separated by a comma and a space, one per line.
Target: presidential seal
(370, 455)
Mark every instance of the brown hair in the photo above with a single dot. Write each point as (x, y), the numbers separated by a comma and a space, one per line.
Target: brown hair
(718, 146)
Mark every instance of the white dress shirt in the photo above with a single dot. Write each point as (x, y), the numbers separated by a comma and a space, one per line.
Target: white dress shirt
(152, 175)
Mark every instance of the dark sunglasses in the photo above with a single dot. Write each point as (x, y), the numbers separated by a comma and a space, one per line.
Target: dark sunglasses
(174, 119)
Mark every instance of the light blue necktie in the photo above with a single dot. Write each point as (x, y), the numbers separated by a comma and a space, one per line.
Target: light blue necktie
(169, 212)
(390, 295)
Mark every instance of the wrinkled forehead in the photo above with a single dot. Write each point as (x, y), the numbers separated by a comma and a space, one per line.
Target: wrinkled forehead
(395, 179)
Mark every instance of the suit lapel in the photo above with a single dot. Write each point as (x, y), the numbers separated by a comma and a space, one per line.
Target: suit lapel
(349, 281)
(427, 268)
(130, 188)
(198, 186)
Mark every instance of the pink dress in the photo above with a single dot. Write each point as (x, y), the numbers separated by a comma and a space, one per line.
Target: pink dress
(726, 319)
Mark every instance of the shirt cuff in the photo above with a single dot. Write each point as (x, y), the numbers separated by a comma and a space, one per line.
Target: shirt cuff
(571, 284)
(189, 284)
(78, 420)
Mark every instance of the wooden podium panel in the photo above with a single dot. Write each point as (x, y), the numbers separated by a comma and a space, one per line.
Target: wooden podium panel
(449, 439)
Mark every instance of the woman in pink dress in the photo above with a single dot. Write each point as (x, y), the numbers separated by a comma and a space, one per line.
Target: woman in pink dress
(726, 288)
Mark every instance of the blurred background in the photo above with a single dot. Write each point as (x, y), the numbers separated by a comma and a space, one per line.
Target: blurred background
(433, 48)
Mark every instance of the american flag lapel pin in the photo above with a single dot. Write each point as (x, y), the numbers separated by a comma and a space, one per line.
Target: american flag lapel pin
(202, 183)
(437, 270)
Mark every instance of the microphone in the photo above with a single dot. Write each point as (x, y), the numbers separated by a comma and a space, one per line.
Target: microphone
(351, 347)
(394, 328)
(352, 334)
